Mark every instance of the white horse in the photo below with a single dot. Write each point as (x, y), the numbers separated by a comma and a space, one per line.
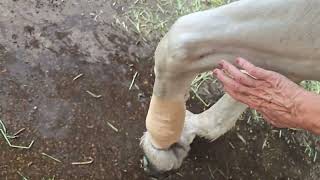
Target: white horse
(278, 35)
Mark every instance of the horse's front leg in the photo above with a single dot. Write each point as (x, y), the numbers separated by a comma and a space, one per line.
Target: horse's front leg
(162, 143)
(265, 32)
(171, 129)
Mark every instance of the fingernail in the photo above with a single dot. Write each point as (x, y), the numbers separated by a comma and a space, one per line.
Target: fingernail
(238, 61)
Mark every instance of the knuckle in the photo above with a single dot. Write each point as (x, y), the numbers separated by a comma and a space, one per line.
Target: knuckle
(240, 78)
(275, 81)
(252, 71)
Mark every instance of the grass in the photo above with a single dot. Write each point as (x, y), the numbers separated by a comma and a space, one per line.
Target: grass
(197, 83)
(51, 157)
(8, 137)
(49, 178)
(22, 176)
(152, 21)
(310, 149)
(313, 86)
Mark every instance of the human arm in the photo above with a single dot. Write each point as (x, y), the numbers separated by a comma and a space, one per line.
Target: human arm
(282, 102)
(309, 111)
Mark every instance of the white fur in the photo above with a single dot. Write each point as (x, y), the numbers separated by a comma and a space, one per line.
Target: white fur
(210, 124)
(277, 35)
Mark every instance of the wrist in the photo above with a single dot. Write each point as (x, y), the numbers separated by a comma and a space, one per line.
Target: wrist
(308, 111)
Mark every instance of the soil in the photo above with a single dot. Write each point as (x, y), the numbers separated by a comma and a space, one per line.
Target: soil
(44, 45)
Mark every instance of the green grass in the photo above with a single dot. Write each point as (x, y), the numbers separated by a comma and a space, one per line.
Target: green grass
(313, 86)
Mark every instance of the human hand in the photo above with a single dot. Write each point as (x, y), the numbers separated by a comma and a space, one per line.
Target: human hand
(270, 93)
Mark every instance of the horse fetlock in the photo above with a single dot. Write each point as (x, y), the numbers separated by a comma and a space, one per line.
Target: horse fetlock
(157, 161)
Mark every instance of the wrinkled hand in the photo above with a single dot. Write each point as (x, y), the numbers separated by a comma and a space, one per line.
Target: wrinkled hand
(270, 93)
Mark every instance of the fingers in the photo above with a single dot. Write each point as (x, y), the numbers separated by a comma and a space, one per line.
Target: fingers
(237, 96)
(253, 70)
(237, 74)
(235, 89)
(262, 91)
(229, 82)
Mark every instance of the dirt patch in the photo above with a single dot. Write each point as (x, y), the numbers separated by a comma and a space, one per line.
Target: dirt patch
(46, 44)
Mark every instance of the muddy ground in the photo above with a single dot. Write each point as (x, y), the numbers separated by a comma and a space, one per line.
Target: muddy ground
(45, 44)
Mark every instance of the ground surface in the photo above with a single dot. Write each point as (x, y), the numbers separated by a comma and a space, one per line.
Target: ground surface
(44, 45)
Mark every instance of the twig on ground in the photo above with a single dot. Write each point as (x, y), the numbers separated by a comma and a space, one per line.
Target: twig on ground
(53, 158)
(241, 138)
(77, 77)
(211, 174)
(264, 143)
(112, 127)
(295, 129)
(22, 176)
(84, 162)
(232, 146)
(179, 174)
(133, 80)
(93, 94)
(18, 132)
(222, 174)
(249, 119)
(280, 134)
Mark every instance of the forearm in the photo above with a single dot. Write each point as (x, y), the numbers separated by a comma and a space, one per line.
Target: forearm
(309, 112)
